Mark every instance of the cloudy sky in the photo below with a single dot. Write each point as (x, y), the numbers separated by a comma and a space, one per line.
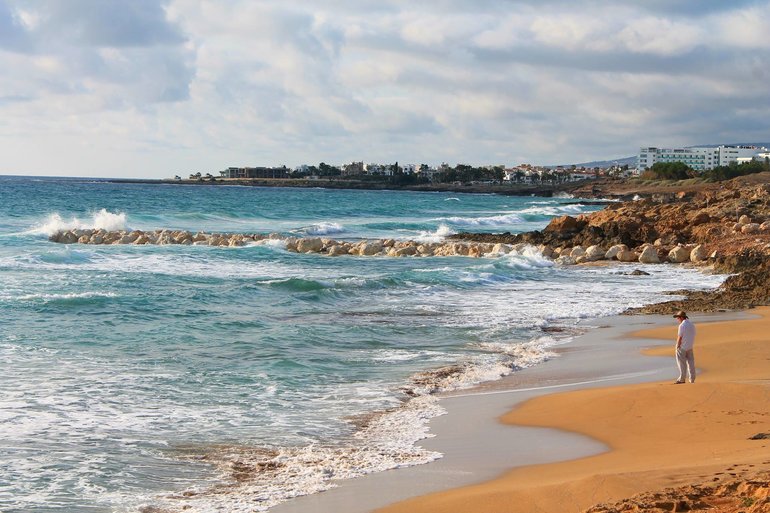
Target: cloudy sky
(153, 88)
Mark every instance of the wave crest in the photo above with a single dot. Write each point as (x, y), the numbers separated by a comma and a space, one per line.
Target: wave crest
(103, 219)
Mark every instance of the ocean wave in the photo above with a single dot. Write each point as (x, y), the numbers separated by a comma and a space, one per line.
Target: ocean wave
(528, 257)
(258, 478)
(439, 235)
(504, 358)
(553, 210)
(65, 297)
(502, 219)
(103, 219)
(323, 229)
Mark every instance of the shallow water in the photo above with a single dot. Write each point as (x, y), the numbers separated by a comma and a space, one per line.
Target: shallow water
(240, 375)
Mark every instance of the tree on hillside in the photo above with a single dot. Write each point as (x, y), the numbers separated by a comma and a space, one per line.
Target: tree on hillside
(670, 171)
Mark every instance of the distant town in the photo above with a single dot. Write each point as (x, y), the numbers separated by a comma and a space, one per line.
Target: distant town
(696, 160)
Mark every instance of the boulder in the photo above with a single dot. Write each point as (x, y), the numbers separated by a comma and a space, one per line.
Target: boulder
(370, 248)
(84, 239)
(566, 260)
(309, 245)
(594, 253)
(649, 256)
(142, 239)
(638, 272)
(765, 227)
(565, 224)
(291, 244)
(407, 251)
(698, 254)
(68, 238)
(460, 249)
(425, 250)
(627, 255)
(679, 255)
(577, 252)
(700, 218)
(337, 250)
(744, 219)
(501, 249)
(750, 228)
(546, 251)
(614, 251)
(97, 238)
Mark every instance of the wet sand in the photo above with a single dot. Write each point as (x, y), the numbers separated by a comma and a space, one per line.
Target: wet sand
(565, 409)
(658, 434)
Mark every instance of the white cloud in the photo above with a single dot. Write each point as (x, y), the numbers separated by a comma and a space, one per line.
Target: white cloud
(179, 83)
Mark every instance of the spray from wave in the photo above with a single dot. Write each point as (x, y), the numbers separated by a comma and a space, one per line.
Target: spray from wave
(103, 219)
(324, 229)
(439, 235)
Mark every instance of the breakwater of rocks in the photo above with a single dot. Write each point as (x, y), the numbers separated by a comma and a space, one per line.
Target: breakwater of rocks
(566, 255)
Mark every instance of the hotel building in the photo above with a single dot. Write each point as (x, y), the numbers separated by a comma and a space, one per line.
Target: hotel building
(699, 159)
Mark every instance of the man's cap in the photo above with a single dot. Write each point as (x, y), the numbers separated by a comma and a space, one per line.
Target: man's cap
(681, 314)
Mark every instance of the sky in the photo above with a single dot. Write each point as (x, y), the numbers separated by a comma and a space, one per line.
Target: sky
(155, 88)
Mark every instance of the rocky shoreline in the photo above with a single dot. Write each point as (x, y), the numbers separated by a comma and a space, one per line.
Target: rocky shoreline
(724, 225)
(727, 222)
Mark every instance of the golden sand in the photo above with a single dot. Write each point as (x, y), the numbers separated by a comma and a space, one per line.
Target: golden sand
(660, 434)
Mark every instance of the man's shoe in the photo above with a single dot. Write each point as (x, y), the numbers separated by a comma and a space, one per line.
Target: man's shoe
(678, 382)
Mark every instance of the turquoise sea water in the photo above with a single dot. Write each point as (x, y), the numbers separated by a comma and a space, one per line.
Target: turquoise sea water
(230, 379)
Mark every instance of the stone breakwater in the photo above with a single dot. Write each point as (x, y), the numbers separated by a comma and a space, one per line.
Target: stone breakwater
(563, 255)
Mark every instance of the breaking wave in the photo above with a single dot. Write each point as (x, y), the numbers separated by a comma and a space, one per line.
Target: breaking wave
(103, 219)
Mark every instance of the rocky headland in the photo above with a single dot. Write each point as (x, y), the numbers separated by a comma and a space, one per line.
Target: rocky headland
(725, 225)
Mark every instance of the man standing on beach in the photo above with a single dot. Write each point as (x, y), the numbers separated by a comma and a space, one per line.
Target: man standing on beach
(685, 340)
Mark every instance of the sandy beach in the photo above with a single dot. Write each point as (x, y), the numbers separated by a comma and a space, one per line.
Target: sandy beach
(658, 435)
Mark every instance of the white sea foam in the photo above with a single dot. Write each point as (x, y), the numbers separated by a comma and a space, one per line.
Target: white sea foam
(324, 229)
(502, 219)
(386, 442)
(528, 257)
(102, 219)
(72, 295)
(563, 195)
(439, 235)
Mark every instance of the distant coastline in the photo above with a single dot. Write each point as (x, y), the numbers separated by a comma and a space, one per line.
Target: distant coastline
(545, 190)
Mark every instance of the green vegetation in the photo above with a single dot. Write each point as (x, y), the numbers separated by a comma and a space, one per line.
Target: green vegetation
(669, 171)
(681, 171)
(734, 169)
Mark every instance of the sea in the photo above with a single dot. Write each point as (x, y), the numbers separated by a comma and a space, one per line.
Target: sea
(218, 379)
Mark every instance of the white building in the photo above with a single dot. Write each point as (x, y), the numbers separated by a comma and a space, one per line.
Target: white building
(699, 159)
(729, 154)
